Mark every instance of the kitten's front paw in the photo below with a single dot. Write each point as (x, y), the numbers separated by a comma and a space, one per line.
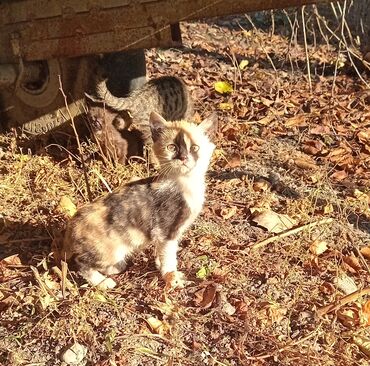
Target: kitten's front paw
(174, 280)
(108, 283)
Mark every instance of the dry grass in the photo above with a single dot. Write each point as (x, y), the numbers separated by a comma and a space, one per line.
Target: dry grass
(264, 302)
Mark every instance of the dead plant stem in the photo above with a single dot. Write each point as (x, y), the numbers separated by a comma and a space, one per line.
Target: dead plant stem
(41, 238)
(306, 48)
(290, 232)
(292, 344)
(77, 139)
(337, 304)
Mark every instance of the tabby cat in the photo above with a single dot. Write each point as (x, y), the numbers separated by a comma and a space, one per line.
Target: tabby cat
(167, 95)
(156, 210)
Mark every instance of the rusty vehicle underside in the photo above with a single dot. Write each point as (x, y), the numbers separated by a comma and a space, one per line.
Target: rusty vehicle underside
(46, 44)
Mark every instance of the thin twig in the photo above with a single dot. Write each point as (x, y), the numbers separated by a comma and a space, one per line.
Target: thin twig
(306, 48)
(339, 48)
(102, 179)
(66, 283)
(289, 345)
(77, 139)
(261, 43)
(335, 305)
(349, 51)
(290, 232)
(41, 238)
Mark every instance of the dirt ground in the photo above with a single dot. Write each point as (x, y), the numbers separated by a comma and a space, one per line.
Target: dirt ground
(278, 263)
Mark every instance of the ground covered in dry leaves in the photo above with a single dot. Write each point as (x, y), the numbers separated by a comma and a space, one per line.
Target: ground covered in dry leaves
(283, 239)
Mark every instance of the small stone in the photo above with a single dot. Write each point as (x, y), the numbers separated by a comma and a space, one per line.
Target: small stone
(228, 309)
(74, 354)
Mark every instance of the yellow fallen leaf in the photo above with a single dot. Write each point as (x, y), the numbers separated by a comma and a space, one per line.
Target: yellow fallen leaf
(225, 106)
(67, 207)
(318, 247)
(157, 326)
(223, 87)
(328, 209)
(361, 196)
(243, 64)
(363, 344)
(46, 300)
(99, 297)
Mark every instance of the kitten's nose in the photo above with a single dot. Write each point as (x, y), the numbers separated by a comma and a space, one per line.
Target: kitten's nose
(183, 158)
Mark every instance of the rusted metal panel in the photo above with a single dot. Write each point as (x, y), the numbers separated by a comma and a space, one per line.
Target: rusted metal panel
(68, 28)
(81, 44)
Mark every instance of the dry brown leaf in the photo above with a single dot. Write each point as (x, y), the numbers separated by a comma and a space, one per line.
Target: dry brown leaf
(271, 313)
(364, 136)
(227, 212)
(273, 222)
(261, 185)
(327, 288)
(205, 296)
(366, 312)
(67, 207)
(266, 120)
(339, 175)
(304, 164)
(299, 120)
(230, 133)
(7, 302)
(352, 262)
(320, 130)
(365, 251)
(12, 260)
(234, 161)
(318, 247)
(349, 316)
(313, 147)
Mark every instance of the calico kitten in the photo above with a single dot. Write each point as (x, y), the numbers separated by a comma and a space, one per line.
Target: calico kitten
(156, 210)
(166, 95)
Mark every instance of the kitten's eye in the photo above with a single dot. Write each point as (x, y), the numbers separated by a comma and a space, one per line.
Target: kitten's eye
(194, 148)
(172, 148)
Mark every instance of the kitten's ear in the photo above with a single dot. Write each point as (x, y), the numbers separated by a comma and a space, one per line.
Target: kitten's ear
(123, 120)
(210, 124)
(157, 124)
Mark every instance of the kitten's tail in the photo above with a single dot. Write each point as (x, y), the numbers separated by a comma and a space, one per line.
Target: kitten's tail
(118, 104)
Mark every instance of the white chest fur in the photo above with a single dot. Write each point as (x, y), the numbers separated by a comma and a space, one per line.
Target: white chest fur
(193, 189)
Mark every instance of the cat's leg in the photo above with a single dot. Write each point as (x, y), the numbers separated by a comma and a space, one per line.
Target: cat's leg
(116, 269)
(95, 278)
(92, 275)
(166, 261)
